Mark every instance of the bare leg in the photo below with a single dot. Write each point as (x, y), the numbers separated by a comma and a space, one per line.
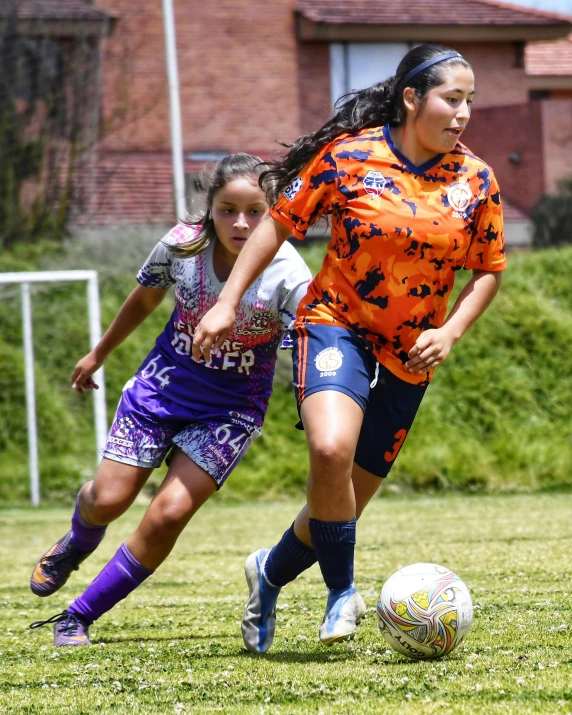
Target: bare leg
(100, 501)
(338, 490)
(332, 421)
(365, 485)
(185, 489)
(112, 491)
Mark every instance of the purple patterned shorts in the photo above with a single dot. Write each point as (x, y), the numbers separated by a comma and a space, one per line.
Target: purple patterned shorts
(147, 425)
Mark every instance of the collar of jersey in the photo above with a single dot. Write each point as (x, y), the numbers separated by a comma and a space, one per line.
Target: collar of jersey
(418, 170)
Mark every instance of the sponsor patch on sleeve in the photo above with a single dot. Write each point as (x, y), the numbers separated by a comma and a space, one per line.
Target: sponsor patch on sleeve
(291, 191)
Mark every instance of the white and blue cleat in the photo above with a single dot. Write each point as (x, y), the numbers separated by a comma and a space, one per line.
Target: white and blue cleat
(344, 611)
(259, 620)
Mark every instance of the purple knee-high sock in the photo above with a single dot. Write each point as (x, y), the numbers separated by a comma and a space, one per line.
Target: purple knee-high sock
(121, 576)
(86, 537)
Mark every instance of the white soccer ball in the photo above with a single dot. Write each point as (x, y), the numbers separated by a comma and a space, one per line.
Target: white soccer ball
(424, 611)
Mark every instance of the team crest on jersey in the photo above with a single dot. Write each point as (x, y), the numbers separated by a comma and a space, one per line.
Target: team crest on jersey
(374, 183)
(459, 197)
(291, 191)
(328, 361)
(261, 324)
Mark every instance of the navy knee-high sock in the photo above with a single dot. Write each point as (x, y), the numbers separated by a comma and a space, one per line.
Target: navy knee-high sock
(288, 559)
(334, 543)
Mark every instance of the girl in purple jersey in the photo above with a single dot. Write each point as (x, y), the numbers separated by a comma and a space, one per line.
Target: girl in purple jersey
(206, 414)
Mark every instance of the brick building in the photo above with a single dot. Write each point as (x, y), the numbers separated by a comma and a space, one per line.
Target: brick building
(253, 73)
(549, 71)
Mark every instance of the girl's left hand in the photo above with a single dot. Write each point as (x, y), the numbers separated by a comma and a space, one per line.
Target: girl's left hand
(431, 349)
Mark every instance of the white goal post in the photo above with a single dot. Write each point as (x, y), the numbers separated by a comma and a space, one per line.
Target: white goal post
(24, 278)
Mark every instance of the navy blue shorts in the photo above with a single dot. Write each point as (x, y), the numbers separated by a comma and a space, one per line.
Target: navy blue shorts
(332, 358)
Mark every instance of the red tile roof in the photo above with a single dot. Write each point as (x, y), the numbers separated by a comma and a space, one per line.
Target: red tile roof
(426, 12)
(549, 58)
(52, 10)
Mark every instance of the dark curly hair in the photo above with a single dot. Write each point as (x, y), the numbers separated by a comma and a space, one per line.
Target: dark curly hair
(375, 106)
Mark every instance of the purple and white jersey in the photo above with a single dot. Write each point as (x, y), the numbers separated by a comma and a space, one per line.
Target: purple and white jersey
(244, 369)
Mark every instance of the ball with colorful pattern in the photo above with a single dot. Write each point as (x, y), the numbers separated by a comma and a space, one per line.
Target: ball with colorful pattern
(424, 611)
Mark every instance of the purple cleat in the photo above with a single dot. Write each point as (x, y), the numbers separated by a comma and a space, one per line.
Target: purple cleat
(69, 629)
(55, 566)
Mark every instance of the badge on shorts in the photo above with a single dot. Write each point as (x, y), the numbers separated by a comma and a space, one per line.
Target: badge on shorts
(328, 361)
(374, 183)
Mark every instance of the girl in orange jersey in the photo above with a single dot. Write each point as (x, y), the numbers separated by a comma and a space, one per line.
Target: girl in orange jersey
(409, 205)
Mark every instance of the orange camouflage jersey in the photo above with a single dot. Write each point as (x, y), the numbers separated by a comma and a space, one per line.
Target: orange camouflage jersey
(399, 233)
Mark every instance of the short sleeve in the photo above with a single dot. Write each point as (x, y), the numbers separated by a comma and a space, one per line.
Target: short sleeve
(156, 272)
(487, 250)
(313, 193)
(294, 289)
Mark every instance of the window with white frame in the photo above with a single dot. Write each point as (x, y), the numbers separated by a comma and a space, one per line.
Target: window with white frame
(356, 65)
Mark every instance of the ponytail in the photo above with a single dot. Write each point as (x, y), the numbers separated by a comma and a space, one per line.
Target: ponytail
(375, 106)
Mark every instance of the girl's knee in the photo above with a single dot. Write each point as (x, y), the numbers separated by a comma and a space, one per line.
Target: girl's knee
(167, 517)
(103, 507)
(331, 454)
(111, 493)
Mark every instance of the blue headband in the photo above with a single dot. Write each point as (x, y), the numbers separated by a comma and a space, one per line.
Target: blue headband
(429, 63)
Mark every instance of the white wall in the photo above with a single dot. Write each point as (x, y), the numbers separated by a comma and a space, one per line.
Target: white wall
(357, 65)
(563, 6)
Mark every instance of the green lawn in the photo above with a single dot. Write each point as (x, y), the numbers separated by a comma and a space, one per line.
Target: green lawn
(174, 646)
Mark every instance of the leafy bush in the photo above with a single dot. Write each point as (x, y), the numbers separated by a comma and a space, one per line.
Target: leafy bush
(552, 217)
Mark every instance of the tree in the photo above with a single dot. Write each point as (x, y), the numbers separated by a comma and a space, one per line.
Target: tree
(552, 217)
(20, 158)
(49, 126)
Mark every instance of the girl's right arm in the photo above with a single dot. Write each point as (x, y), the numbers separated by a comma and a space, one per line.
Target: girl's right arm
(256, 255)
(138, 306)
(312, 194)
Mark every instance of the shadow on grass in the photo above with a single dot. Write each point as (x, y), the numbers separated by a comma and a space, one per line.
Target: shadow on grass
(218, 651)
(285, 656)
(277, 656)
(160, 639)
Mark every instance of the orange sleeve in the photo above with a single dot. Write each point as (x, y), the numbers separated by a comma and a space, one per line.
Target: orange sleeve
(487, 250)
(313, 193)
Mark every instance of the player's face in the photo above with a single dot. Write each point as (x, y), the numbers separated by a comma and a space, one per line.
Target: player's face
(237, 209)
(441, 120)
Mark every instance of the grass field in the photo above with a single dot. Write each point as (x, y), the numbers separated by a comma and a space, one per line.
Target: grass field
(174, 646)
